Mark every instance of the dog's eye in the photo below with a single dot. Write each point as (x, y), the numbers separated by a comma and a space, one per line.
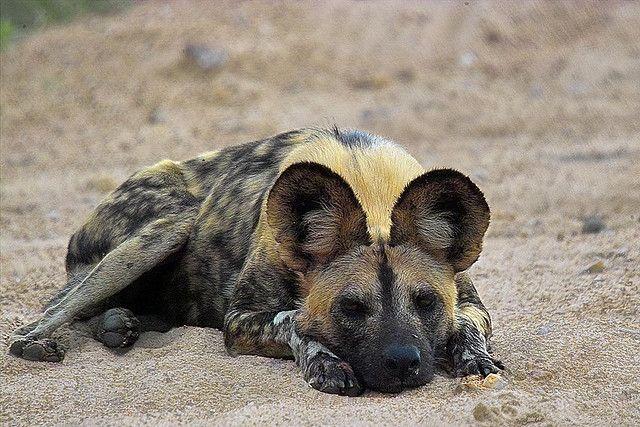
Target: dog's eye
(353, 307)
(425, 301)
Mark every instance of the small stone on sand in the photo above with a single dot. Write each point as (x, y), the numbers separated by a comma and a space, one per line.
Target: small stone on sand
(596, 267)
(592, 224)
(157, 115)
(476, 382)
(494, 381)
(205, 57)
(544, 330)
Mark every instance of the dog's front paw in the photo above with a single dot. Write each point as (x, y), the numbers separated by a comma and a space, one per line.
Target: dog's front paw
(469, 351)
(480, 364)
(329, 374)
(39, 350)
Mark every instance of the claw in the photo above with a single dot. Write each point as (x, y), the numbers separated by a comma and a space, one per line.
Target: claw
(329, 374)
(480, 365)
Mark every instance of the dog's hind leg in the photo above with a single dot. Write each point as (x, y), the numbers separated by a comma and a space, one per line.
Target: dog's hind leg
(46, 349)
(469, 346)
(138, 254)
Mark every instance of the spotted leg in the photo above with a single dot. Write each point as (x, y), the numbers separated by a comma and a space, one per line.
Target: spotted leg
(468, 347)
(273, 334)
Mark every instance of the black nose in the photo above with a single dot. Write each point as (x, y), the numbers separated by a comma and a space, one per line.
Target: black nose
(402, 360)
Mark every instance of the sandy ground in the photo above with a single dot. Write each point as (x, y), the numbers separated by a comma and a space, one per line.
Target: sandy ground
(539, 103)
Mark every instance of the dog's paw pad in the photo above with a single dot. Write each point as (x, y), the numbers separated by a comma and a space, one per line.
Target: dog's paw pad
(120, 328)
(42, 350)
(329, 374)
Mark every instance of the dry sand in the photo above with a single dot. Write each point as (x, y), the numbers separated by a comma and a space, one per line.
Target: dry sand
(539, 103)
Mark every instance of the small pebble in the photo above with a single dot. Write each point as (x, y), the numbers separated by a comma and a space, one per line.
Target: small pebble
(371, 82)
(544, 330)
(481, 412)
(596, 267)
(592, 224)
(206, 58)
(494, 381)
(53, 215)
(467, 59)
(157, 115)
(406, 75)
(477, 382)
(531, 417)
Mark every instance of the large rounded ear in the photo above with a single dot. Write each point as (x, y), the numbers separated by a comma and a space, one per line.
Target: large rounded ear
(443, 213)
(315, 216)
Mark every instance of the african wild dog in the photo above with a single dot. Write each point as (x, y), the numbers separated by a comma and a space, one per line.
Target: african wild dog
(332, 247)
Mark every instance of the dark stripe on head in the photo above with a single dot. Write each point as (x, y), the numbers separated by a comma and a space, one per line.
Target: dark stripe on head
(387, 278)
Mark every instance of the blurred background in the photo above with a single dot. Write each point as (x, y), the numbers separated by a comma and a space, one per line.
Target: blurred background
(505, 93)
(539, 102)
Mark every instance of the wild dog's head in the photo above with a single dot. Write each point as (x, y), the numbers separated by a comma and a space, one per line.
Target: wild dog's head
(385, 307)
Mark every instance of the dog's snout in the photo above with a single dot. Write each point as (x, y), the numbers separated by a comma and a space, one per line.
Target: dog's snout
(402, 360)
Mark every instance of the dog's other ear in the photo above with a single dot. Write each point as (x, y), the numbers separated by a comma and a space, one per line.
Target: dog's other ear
(445, 214)
(315, 216)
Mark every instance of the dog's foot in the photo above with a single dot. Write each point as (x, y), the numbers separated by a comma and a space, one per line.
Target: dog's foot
(119, 328)
(39, 350)
(329, 374)
(469, 351)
